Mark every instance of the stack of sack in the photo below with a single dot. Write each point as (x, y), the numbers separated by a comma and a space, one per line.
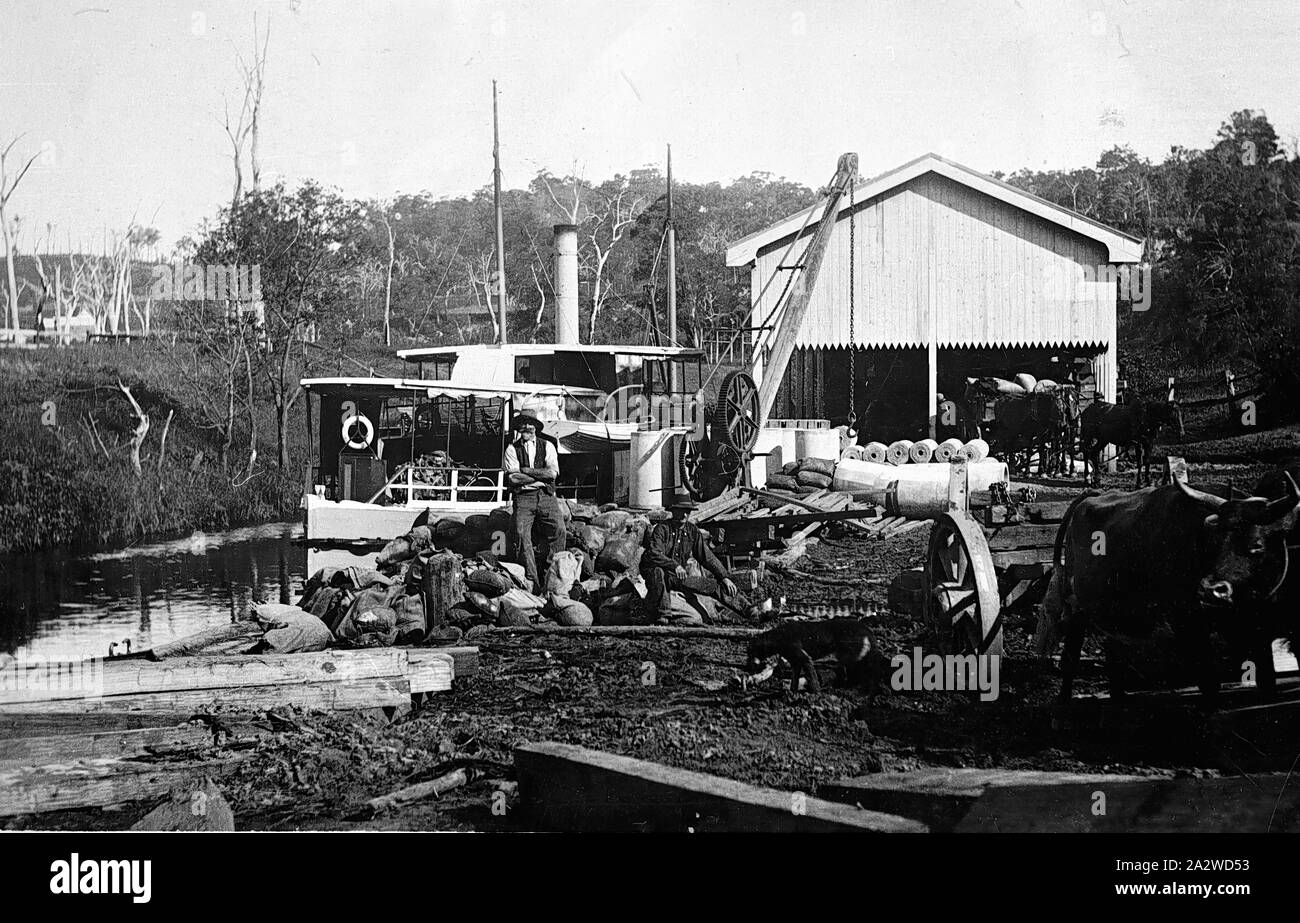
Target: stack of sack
(804, 476)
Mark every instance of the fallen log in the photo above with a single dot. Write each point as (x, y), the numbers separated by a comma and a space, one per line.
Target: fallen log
(418, 792)
(625, 631)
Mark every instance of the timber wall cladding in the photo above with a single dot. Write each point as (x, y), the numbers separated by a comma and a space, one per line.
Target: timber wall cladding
(993, 274)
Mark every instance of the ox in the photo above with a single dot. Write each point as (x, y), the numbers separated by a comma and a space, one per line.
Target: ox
(1123, 425)
(1282, 611)
(1133, 559)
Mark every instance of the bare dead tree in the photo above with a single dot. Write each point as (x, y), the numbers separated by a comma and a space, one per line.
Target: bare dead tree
(141, 429)
(611, 221)
(243, 131)
(7, 187)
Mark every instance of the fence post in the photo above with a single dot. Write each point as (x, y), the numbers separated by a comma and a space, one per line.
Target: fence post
(1230, 384)
(1170, 399)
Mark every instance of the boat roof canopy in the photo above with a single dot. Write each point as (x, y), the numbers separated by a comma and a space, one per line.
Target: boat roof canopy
(388, 387)
(543, 349)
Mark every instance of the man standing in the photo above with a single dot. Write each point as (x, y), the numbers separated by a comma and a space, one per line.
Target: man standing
(531, 468)
(668, 547)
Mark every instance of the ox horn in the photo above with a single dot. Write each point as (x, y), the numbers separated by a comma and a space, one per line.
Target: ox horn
(1278, 508)
(1199, 496)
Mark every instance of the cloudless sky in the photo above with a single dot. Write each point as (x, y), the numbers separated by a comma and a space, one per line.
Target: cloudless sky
(125, 96)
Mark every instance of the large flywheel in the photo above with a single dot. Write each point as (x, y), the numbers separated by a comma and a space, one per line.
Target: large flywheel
(735, 418)
(961, 593)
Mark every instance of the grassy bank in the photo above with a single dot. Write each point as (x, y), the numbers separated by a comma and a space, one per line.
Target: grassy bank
(66, 477)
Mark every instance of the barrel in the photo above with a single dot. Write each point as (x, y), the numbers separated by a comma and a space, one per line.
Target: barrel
(974, 451)
(876, 452)
(851, 475)
(898, 452)
(816, 443)
(922, 451)
(947, 450)
(650, 472)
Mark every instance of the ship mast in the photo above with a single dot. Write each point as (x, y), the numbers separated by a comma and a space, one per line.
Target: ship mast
(496, 203)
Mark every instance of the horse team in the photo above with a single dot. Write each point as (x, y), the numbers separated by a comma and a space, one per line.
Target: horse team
(1048, 426)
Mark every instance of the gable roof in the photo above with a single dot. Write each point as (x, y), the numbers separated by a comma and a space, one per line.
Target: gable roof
(1120, 247)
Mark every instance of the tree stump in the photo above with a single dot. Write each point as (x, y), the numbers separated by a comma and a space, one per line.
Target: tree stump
(443, 586)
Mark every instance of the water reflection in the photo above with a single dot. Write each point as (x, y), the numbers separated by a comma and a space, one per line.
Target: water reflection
(67, 606)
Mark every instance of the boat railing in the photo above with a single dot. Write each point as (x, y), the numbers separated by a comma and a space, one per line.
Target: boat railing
(414, 484)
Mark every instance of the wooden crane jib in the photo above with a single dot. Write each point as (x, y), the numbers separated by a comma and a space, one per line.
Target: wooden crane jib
(790, 315)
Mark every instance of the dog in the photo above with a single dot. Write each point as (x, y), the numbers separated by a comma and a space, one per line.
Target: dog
(800, 643)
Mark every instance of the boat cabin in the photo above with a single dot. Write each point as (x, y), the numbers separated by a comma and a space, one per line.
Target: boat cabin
(436, 439)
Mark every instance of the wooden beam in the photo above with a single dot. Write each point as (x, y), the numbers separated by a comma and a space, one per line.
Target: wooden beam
(362, 693)
(96, 783)
(563, 787)
(132, 677)
(38, 751)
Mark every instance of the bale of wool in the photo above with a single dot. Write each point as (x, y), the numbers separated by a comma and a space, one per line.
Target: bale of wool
(620, 609)
(488, 582)
(818, 465)
(621, 554)
(585, 512)
(570, 612)
(446, 531)
(922, 451)
(1026, 381)
(512, 616)
(302, 631)
(611, 520)
(563, 571)
(899, 452)
(813, 479)
(974, 451)
(781, 482)
(876, 452)
(947, 450)
(592, 539)
(855, 452)
(790, 468)
(488, 607)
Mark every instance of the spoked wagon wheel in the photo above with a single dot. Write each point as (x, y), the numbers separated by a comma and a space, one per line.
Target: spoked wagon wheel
(735, 419)
(961, 598)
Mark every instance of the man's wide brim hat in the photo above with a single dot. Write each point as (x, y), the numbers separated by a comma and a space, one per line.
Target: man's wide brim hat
(521, 418)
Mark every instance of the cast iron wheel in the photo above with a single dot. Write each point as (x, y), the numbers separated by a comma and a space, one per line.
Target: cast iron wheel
(961, 597)
(735, 419)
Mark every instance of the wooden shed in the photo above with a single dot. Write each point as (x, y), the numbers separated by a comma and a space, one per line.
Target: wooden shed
(954, 273)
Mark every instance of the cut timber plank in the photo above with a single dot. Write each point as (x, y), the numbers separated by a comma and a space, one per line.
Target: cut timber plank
(183, 674)
(429, 671)
(39, 751)
(1008, 538)
(47, 724)
(941, 797)
(866, 513)
(464, 658)
(96, 783)
(709, 507)
(564, 787)
(1012, 801)
(360, 693)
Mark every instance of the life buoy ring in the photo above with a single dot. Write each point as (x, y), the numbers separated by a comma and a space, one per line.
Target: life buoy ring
(366, 425)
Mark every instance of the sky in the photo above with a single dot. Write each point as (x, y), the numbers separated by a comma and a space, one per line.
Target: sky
(124, 100)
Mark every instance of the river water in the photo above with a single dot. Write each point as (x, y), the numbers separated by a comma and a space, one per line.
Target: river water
(68, 606)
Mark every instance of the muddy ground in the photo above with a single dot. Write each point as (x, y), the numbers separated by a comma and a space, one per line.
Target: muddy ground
(321, 768)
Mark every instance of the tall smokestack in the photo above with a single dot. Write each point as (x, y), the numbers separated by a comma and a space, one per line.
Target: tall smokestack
(566, 283)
